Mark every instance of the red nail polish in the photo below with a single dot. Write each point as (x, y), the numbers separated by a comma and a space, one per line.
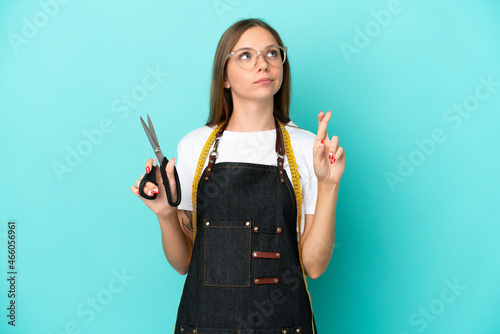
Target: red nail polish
(334, 160)
(321, 141)
(330, 155)
(148, 170)
(137, 192)
(155, 190)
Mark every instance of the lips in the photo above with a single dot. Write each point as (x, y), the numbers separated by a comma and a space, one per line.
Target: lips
(263, 81)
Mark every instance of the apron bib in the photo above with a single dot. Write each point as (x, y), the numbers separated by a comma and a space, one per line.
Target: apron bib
(246, 274)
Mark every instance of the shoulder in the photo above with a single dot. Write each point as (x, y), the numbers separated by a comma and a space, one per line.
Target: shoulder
(196, 138)
(302, 140)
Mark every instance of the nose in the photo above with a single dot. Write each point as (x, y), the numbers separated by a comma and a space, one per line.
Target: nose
(262, 63)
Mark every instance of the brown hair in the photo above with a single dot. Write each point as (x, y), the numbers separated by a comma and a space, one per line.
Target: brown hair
(221, 101)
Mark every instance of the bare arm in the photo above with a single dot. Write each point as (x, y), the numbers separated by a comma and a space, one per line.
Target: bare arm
(177, 238)
(318, 239)
(176, 225)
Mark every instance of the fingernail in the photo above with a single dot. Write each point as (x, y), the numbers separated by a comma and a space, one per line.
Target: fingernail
(137, 192)
(332, 161)
(150, 193)
(321, 141)
(330, 155)
(148, 170)
(155, 190)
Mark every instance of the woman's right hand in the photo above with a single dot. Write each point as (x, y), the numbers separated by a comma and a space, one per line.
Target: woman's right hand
(159, 205)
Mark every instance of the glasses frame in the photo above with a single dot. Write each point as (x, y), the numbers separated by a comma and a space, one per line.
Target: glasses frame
(283, 48)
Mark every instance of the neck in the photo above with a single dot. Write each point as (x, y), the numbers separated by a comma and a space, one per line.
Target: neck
(252, 116)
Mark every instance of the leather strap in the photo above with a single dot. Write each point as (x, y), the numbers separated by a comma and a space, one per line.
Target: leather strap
(266, 280)
(280, 150)
(213, 155)
(266, 255)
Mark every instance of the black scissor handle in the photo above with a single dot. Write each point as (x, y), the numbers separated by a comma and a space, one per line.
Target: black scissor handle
(167, 185)
(151, 177)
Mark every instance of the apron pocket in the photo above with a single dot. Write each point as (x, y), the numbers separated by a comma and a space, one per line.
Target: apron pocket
(227, 253)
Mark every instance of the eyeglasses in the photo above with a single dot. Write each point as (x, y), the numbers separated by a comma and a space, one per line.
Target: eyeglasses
(247, 58)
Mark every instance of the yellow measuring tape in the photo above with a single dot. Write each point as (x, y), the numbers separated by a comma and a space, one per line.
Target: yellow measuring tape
(295, 179)
(197, 175)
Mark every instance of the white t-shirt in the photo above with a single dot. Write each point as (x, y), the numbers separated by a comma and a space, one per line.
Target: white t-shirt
(251, 147)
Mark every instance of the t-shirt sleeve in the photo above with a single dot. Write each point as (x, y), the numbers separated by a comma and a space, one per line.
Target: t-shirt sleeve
(185, 170)
(309, 182)
(304, 141)
(188, 152)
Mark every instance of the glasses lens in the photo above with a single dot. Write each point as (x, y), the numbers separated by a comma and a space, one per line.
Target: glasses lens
(246, 58)
(274, 55)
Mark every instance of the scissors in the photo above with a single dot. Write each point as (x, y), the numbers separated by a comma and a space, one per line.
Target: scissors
(159, 157)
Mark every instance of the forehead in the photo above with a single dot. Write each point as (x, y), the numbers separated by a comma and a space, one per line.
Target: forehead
(256, 38)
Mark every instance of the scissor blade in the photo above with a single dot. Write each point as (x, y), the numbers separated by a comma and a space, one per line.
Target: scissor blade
(151, 136)
(153, 140)
(151, 127)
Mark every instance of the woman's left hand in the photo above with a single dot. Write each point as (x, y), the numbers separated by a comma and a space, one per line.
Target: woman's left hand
(329, 157)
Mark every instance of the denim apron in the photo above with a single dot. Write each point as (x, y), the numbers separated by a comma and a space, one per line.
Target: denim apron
(245, 275)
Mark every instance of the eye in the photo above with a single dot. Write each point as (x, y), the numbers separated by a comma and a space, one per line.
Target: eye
(273, 53)
(244, 55)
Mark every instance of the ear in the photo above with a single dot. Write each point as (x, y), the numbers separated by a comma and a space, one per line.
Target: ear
(226, 83)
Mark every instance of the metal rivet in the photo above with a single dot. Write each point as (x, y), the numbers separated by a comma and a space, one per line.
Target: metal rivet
(282, 181)
(211, 161)
(182, 329)
(206, 178)
(284, 331)
(254, 254)
(247, 224)
(298, 330)
(281, 163)
(278, 254)
(275, 280)
(194, 330)
(256, 229)
(209, 169)
(278, 230)
(256, 281)
(207, 223)
(281, 172)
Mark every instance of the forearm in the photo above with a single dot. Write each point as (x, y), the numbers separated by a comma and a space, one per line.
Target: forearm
(318, 244)
(176, 245)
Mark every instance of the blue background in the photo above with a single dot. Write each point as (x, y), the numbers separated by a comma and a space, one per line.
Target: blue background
(399, 245)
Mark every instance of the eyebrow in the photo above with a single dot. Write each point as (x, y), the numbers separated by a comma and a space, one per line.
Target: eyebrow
(247, 47)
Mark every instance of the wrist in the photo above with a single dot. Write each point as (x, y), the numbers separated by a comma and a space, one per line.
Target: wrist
(328, 186)
(167, 214)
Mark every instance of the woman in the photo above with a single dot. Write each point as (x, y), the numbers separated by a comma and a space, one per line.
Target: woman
(264, 181)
